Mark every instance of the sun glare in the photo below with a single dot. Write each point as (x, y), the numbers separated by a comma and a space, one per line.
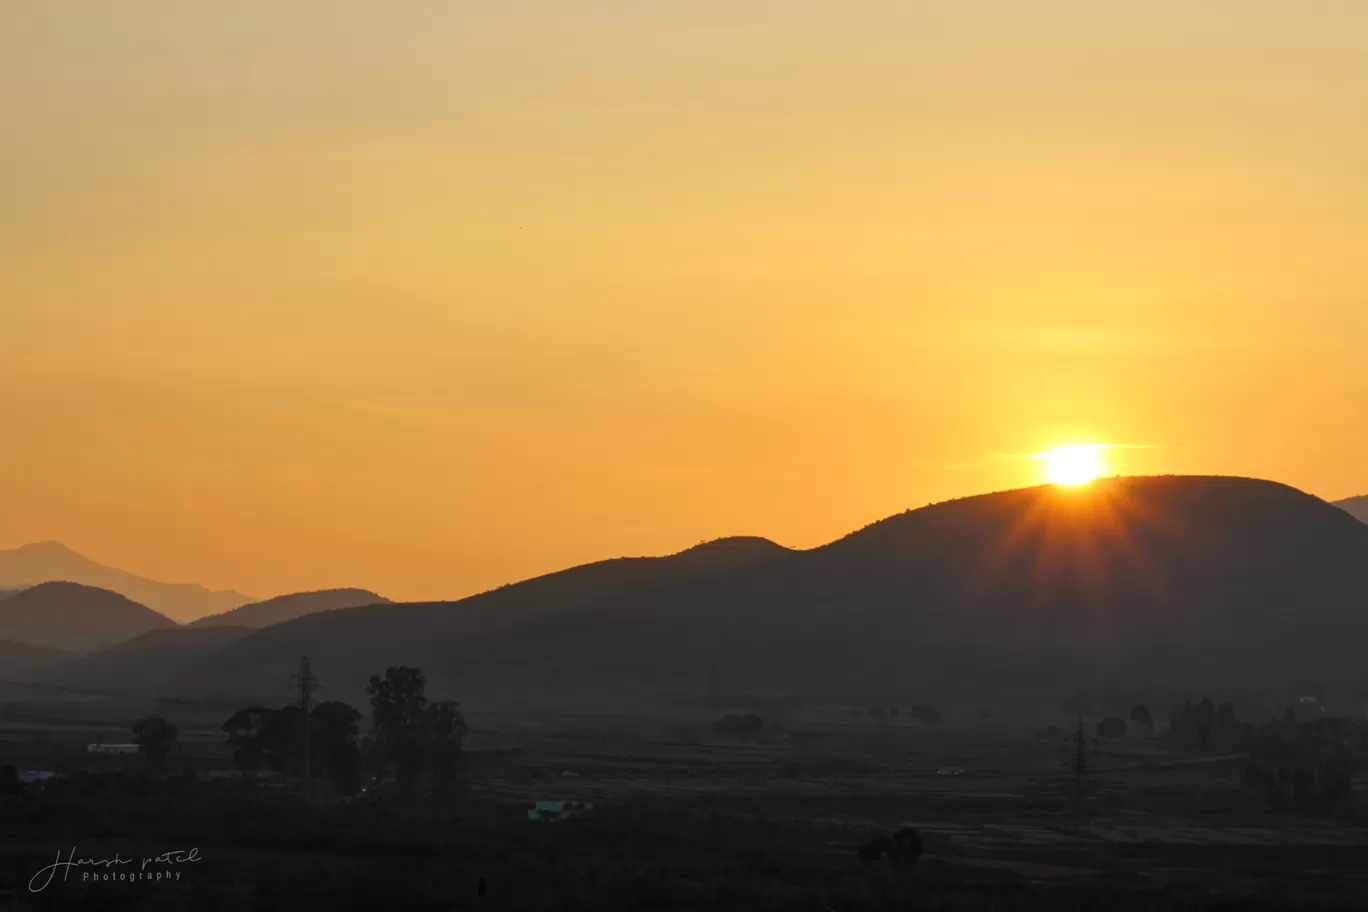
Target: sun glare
(1074, 465)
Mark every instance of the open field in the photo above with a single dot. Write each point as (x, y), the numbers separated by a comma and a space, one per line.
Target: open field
(1155, 819)
(1152, 815)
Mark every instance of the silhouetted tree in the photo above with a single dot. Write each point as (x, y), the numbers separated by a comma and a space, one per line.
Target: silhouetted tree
(155, 737)
(878, 847)
(335, 728)
(285, 735)
(1205, 727)
(731, 724)
(1111, 728)
(907, 847)
(273, 739)
(902, 848)
(247, 731)
(1275, 796)
(1317, 762)
(1140, 715)
(925, 713)
(445, 734)
(1304, 791)
(1206, 711)
(410, 736)
(398, 705)
(1337, 784)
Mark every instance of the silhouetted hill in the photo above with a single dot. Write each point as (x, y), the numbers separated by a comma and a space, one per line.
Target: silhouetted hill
(288, 607)
(144, 664)
(51, 561)
(17, 660)
(1355, 506)
(74, 617)
(1180, 579)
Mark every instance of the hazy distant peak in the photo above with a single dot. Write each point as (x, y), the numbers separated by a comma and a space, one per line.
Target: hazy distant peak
(146, 663)
(21, 658)
(40, 562)
(288, 607)
(47, 547)
(73, 616)
(1356, 507)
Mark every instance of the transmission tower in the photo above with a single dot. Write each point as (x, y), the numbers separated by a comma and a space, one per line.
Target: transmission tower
(305, 684)
(1080, 769)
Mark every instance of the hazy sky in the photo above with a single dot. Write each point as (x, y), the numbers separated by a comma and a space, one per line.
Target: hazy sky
(430, 296)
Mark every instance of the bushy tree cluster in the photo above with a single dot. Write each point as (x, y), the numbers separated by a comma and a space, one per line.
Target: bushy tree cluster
(1208, 728)
(409, 737)
(1315, 763)
(902, 848)
(273, 739)
(155, 737)
(1327, 790)
(731, 724)
(1111, 728)
(925, 713)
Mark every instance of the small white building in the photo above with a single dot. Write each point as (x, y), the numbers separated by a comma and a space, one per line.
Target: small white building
(558, 810)
(112, 748)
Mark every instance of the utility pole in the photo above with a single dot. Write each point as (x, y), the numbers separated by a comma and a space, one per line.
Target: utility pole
(306, 684)
(712, 690)
(1080, 769)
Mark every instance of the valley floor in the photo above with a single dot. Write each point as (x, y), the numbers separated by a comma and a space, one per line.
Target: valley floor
(685, 818)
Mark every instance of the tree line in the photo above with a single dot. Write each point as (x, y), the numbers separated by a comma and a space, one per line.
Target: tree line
(413, 742)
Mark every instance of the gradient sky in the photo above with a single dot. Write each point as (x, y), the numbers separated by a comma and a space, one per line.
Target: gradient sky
(430, 296)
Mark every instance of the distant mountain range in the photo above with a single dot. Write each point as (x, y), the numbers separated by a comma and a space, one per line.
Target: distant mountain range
(288, 607)
(44, 562)
(147, 663)
(18, 659)
(1355, 506)
(75, 618)
(84, 637)
(1190, 581)
(1193, 581)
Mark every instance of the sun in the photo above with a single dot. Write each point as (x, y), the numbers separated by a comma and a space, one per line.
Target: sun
(1074, 465)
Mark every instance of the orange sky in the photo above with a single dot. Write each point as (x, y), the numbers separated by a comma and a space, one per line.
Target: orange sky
(425, 300)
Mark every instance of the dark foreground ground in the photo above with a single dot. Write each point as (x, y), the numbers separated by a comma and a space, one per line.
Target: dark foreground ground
(682, 819)
(256, 849)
